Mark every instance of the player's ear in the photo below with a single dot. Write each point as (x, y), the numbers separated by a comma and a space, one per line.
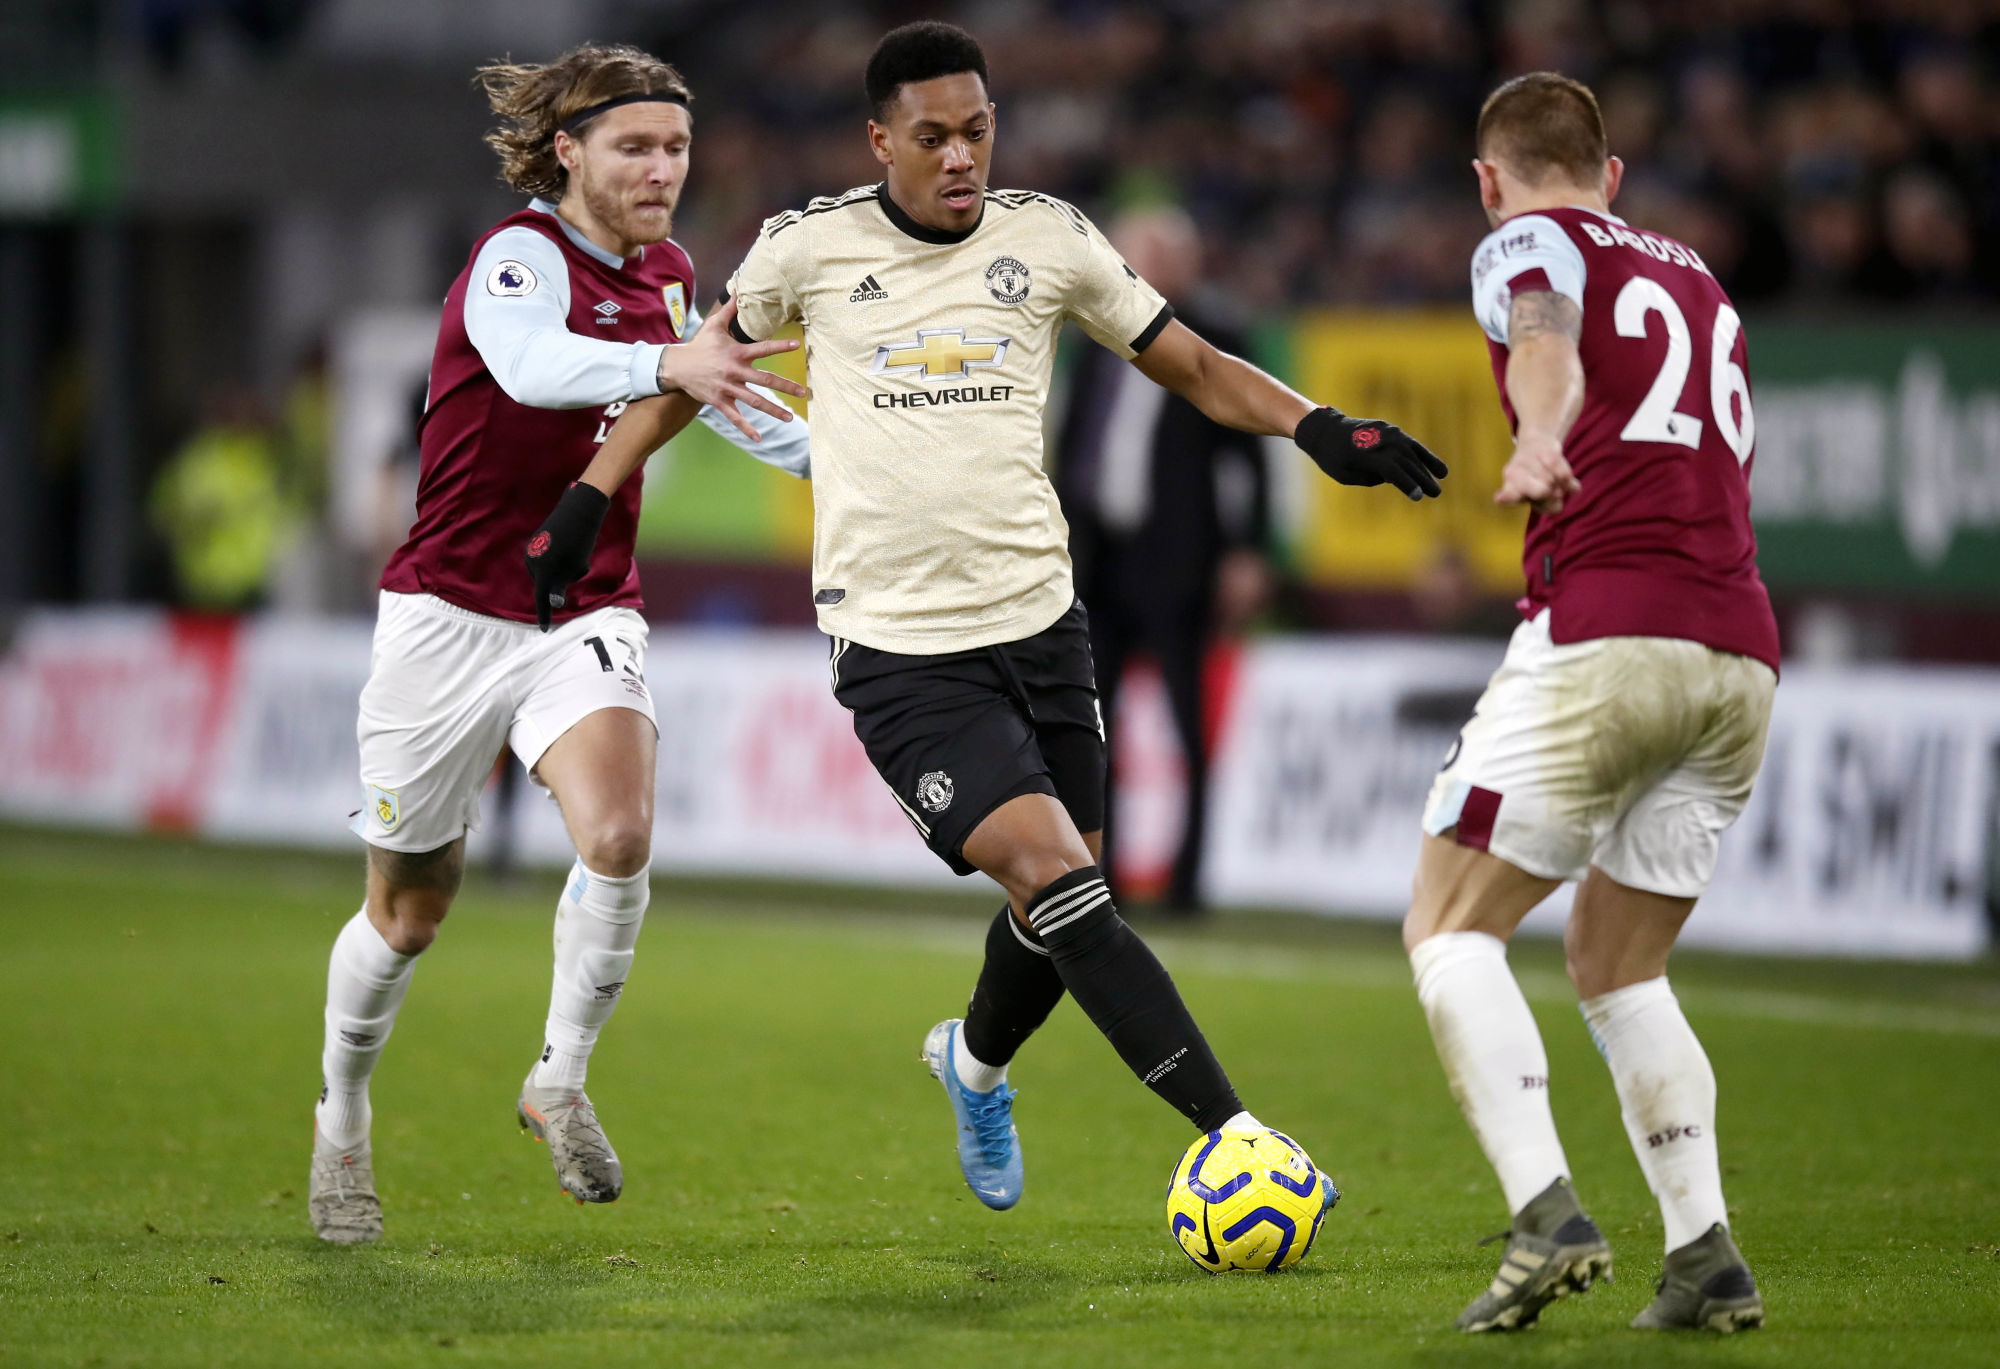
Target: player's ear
(1614, 176)
(566, 151)
(878, 143)
(1489, 184)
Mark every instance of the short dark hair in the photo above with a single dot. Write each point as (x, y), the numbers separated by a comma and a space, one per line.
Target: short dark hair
(1543, 122)
(921, 51)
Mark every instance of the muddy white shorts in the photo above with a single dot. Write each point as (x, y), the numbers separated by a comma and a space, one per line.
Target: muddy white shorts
(448, 689)
(1633, 754)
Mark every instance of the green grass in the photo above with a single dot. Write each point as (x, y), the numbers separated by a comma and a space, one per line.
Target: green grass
(792, 1195)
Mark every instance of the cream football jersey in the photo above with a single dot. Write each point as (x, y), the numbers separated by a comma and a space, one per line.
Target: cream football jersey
(929, 355)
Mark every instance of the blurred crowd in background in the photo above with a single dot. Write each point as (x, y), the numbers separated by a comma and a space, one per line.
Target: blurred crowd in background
(1815, 152)
(1827, 157)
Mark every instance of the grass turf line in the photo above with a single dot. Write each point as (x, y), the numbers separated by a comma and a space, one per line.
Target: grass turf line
(792, 1194)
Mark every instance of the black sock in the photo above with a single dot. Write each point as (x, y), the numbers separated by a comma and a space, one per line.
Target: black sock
(1017, 990)
(1129, 995)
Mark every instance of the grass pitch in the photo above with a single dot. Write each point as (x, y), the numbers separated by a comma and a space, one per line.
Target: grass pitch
(791, 1189)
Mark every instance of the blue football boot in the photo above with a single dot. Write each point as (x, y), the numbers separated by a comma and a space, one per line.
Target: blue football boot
(989, 1149)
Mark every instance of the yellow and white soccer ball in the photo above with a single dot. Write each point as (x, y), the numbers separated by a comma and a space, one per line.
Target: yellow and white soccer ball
(1246, 1200)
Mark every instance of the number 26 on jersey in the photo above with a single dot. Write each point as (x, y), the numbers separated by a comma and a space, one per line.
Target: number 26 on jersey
(1656, 419)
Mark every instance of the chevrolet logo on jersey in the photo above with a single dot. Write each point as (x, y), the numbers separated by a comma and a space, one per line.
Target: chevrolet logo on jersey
(940, 352)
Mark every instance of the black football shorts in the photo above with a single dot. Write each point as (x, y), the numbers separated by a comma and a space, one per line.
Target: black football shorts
(958, 734)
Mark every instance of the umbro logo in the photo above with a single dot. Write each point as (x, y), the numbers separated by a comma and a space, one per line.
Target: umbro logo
(870, 288)
(607, 312)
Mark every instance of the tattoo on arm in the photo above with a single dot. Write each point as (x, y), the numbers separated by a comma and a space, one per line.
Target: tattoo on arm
(1540, 312)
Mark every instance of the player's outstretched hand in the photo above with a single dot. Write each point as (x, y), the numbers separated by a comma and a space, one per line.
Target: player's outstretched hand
(559, 552)
(716, 369)
(1367, 451)
(1537, 475)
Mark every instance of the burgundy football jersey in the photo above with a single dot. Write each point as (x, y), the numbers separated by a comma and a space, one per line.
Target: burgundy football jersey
(492, 469)
(1658, 542)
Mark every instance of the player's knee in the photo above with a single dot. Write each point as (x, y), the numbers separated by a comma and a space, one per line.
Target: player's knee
(411, 929)
(1598, 971)
(1419, 925)
(1029, 871)
(1593, 979)
(1593, 970)
(617, 848)
(408, 918)
(1432, 910)
(409, 893)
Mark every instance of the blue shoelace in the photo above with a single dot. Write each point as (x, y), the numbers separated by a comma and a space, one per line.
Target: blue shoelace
(991, 1122)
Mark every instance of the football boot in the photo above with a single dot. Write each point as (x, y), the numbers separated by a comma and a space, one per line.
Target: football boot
(586, 1165)
(1553, 1250)
(340, 1194)
(1705, 1286)
(989, 1149)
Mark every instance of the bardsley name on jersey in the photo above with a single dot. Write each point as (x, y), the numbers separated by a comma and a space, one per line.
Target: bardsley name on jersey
(933, 517)
(1512, 243)
(1655, 246)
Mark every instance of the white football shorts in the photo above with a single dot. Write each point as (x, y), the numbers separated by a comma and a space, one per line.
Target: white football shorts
(1633, 754)
(448, 689)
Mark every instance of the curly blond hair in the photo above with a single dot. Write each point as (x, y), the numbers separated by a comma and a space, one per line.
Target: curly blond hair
(534, 100)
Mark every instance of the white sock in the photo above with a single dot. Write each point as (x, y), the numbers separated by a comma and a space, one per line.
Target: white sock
(1493, 1056)
(973, 1073)
(1666, 1089)
(597, 929)
(365, 984)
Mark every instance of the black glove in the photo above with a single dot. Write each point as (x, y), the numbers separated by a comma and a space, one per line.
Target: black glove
(559, 553)
(1367, 451)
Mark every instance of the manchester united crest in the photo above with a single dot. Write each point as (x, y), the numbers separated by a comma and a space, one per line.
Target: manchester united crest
(934, 791)
(1008, 279)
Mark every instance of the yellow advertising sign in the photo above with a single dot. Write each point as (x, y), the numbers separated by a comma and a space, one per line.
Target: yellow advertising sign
(1428, 373)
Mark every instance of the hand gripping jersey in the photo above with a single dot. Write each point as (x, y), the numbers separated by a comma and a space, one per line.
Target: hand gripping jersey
(1658, 541)
(935, 528)
(492, 465)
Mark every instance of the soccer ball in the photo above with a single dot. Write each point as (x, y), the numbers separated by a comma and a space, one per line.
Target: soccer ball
(1246, 1200)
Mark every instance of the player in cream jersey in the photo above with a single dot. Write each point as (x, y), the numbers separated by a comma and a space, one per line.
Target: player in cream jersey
(930, 307)
(936, 529)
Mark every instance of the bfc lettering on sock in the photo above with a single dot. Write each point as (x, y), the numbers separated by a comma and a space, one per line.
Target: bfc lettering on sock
(1493, 1058)
(1666, 1092)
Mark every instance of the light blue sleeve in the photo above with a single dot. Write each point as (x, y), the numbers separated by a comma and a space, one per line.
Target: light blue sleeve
(784, 445)
(517, 315)
(1529, 242)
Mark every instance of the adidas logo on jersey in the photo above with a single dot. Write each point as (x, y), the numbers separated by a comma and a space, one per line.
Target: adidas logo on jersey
(869, 289)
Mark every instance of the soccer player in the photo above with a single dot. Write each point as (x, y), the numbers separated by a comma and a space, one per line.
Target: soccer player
(1622, 732)
(931, 307)
(567, 311)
